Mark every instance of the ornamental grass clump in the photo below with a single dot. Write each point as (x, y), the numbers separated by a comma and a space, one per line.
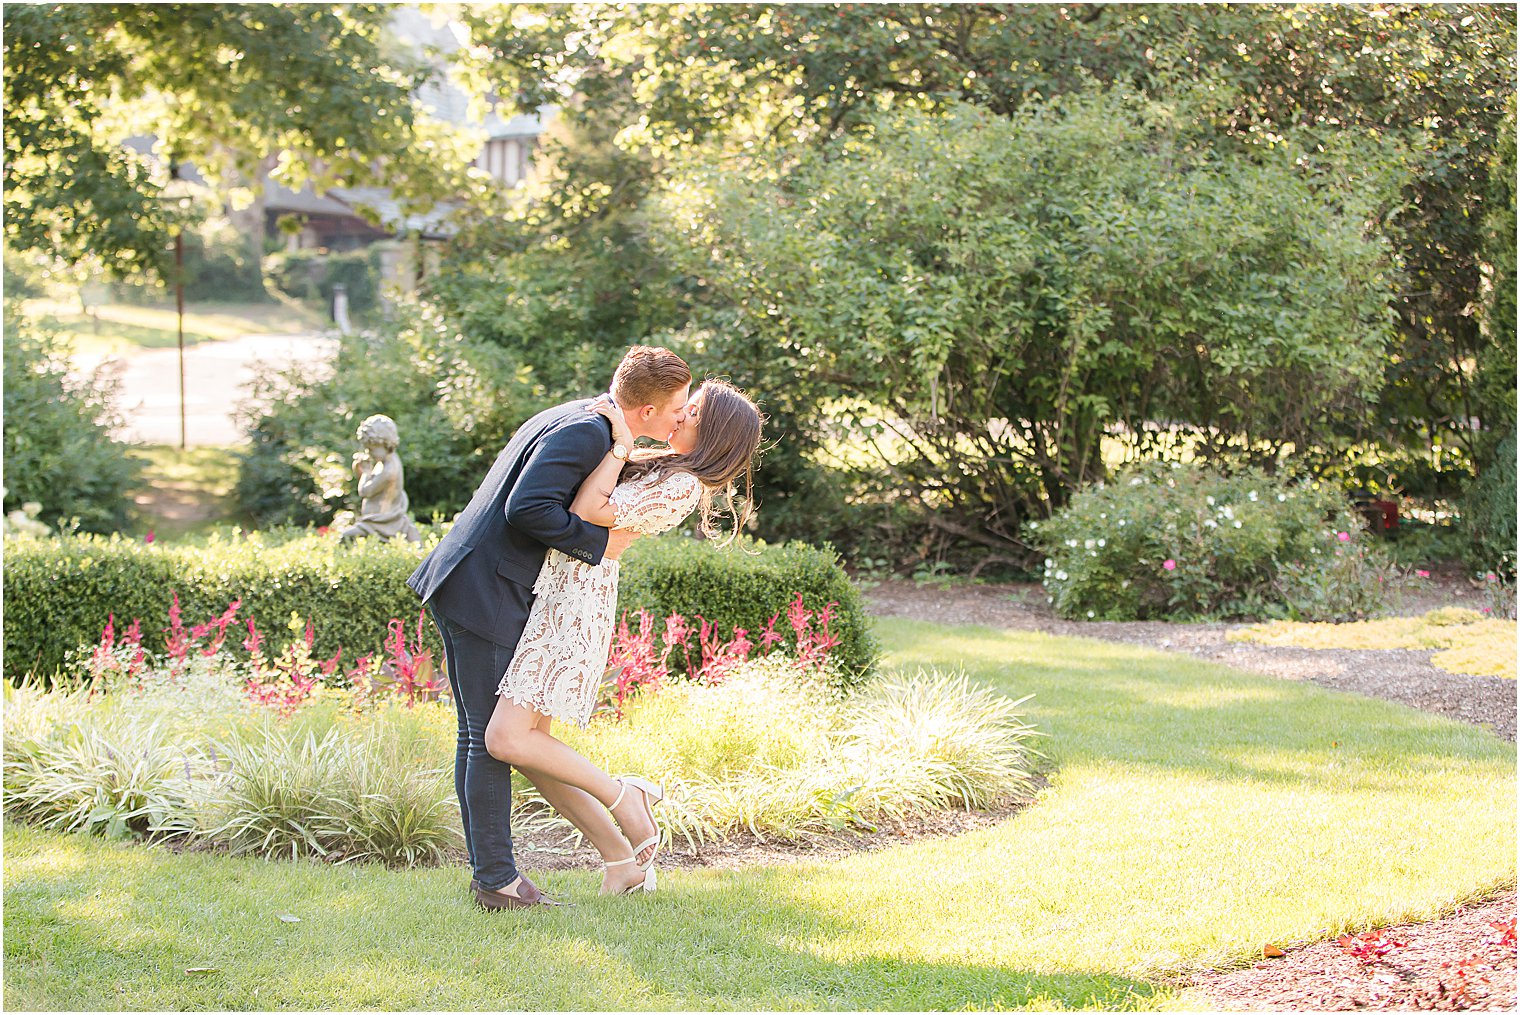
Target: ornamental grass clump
(1165, 540)
(351, 793)
(775, 756)
(117, 778)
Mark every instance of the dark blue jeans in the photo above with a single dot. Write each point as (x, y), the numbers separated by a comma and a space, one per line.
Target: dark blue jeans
(483, 784)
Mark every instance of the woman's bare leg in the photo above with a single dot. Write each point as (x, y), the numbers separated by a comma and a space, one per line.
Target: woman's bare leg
(513, 736)
(591, 818)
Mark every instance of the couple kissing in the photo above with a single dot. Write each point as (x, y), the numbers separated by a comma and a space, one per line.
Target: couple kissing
(523, 590)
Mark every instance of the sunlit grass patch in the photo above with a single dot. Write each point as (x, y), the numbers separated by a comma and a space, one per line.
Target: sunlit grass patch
(1468, 641)
(121, 327)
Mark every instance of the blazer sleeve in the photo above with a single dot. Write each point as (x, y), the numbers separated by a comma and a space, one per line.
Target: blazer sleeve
(553, 473)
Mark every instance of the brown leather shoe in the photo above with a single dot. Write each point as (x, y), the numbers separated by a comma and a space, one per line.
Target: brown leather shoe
(527, 897)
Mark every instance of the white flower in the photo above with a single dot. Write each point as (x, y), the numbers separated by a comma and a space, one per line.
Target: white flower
(1209, 501)
(1121, 521)
(1102, 542)
(1211, 523)
(1136, 481)
(1071, 543)
(1088, 544)
(1124, 584)
(1281, 497)
(1090, 614)
(1251, 495)
(1237, 525)
(1049, 563)
(1060, 576)
(1227, 511)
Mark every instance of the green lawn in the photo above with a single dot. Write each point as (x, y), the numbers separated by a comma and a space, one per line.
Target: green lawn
(121, 327)
(1193, 813)
(185, 492)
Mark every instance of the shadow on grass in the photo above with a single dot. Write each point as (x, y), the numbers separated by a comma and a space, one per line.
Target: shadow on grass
(121, 929)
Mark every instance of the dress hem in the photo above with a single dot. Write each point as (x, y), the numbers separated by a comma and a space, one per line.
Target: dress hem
(526, 700)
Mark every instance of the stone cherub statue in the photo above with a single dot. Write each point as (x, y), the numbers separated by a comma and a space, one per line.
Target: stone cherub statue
(382, 498)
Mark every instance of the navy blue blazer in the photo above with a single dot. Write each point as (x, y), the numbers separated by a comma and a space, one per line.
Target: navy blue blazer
(520, 510)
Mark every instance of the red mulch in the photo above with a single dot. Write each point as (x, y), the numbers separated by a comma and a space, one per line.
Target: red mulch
(1458, 963)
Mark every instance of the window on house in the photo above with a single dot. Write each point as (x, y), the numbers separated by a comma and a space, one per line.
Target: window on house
(507, 159)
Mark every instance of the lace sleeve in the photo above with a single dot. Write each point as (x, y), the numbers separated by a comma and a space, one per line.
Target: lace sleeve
(651, 508)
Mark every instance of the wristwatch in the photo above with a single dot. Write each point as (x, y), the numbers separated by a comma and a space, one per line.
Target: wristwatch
(620, 452)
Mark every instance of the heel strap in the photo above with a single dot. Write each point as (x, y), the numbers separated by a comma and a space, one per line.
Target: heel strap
(619, 863)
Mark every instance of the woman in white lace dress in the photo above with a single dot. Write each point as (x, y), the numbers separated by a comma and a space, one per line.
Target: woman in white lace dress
(557, 668)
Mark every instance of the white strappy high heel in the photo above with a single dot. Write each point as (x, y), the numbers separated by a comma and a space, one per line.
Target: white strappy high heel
(653, 794)
(647, 885)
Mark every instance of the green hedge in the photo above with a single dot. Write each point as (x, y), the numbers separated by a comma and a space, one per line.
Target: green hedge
(740, 587)
(58, 592)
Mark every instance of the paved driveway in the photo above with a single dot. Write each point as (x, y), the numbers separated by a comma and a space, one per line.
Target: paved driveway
(217, 375)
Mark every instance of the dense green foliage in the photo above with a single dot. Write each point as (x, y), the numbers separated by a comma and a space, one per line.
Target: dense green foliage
(220, 265)
(311, 275)
(1182, 542)
(1488, 513)
(1403, 108)
(58, 449)
(973, 302)
(59, 592)
(310, 89)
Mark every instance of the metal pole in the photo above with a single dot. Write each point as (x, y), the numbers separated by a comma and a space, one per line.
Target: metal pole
(179, 303)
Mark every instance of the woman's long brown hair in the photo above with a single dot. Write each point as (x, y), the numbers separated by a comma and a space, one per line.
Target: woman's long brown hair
(728, 435)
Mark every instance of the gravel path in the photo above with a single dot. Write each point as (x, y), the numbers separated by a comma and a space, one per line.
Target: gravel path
(217, 375)
(1402, 675)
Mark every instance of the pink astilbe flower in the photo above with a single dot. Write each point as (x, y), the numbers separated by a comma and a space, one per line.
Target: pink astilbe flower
(1168, 565)
(254, 641)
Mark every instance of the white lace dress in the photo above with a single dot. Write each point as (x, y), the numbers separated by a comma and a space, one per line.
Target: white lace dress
(562, 655)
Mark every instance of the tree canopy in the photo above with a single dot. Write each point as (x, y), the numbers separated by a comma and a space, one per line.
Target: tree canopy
(313, 88)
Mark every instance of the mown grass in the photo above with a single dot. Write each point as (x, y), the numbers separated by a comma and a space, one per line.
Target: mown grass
(1192, 814)
(120, 327)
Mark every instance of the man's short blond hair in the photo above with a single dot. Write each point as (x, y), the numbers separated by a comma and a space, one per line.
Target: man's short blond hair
(649, 375)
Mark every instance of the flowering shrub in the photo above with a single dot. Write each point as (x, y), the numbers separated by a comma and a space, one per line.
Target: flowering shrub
(641, 661)
(1168, 540)
(281, 683)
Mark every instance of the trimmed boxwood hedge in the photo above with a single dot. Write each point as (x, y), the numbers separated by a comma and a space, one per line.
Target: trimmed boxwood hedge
(59, 591)
(744, 586)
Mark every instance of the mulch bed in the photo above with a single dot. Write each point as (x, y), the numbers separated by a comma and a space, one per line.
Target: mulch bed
(1455, 963)
(1461, 962)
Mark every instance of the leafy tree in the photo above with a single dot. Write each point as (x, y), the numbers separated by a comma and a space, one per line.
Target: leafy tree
(1428, 80)
(229, 87)
(977, 301)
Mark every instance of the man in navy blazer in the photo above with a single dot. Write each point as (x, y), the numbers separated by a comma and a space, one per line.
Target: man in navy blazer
(478, 582)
